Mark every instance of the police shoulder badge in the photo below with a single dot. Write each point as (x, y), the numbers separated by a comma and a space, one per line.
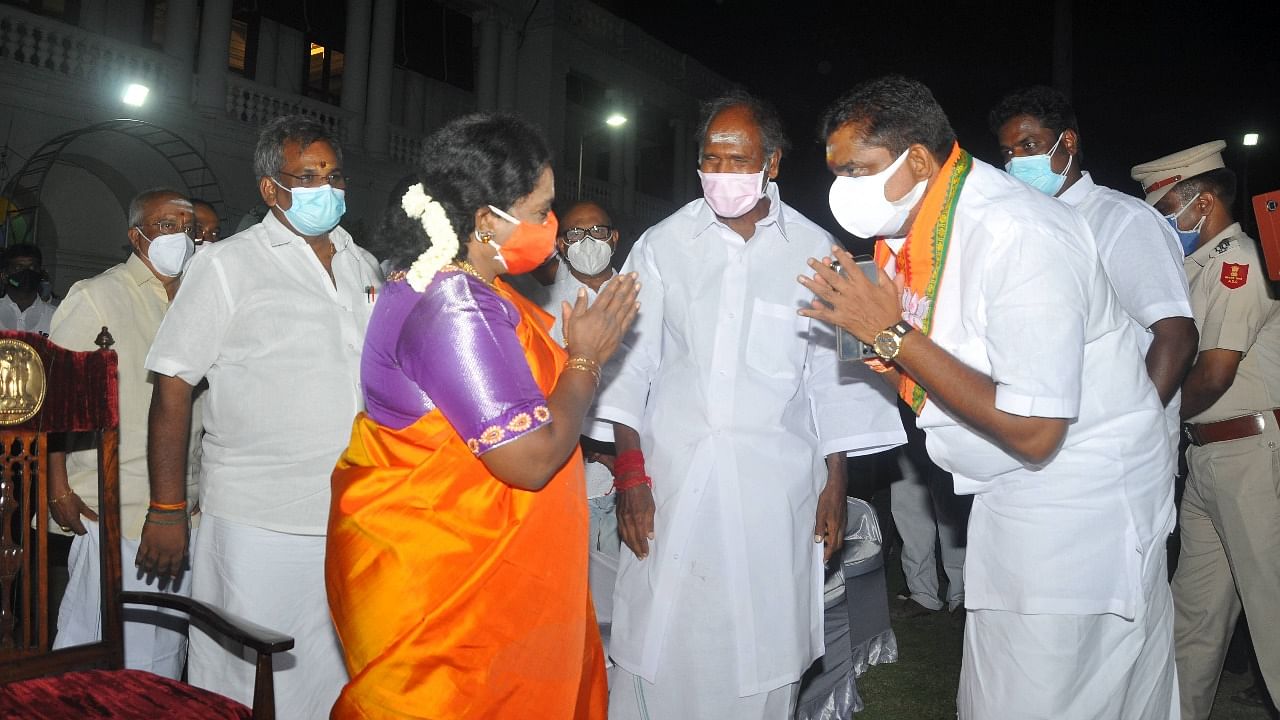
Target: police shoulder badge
(1234, 275)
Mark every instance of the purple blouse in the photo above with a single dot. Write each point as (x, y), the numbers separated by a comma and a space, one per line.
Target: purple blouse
(454, 347)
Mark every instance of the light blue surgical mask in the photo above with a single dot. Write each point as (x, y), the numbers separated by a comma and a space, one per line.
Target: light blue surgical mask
(1188, 238)
(315, 211)
(1036, 171)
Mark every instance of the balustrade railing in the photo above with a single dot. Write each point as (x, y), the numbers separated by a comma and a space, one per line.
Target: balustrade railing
(255, 104)
(67, 51)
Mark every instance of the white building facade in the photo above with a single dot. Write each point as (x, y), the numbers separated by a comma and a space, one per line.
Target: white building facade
(381, 74)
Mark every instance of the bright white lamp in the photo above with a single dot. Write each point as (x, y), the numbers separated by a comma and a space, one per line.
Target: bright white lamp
(135, 94)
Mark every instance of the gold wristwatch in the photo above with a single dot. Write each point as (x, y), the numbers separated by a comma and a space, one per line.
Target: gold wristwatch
(888, 342)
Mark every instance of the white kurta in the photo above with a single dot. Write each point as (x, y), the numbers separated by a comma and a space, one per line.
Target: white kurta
(732, 391)
(280, 343)
(1024, 300)
(1142, 258)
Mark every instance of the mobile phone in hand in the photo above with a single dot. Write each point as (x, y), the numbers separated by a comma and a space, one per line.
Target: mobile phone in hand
(849, 347)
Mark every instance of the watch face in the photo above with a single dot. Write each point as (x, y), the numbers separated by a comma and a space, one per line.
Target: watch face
(886, 344)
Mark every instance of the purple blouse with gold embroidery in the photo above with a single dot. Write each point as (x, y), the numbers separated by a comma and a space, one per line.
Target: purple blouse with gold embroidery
(454, 347)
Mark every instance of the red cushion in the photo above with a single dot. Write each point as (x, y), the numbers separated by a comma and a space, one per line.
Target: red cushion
(113, 694)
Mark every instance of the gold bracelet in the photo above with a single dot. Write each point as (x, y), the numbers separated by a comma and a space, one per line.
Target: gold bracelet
(578, 362)
(62, 497)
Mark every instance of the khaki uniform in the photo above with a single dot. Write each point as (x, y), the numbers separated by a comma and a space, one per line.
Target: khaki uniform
(1230, 515)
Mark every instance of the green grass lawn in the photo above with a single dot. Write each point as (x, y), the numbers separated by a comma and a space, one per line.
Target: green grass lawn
(922, 684)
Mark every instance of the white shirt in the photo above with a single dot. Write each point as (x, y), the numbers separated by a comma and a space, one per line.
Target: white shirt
(258, 315)
(565, 289)
(1025, 301)
(130, 302)
(1143, 259)
(735, 394)
(36, 318)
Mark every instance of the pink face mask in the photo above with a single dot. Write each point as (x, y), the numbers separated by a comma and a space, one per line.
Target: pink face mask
(732, 195)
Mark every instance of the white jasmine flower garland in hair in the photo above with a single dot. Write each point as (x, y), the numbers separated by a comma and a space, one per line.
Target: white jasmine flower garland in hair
(444, 241)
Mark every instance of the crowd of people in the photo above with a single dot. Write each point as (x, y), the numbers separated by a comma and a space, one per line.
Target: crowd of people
(444, 487)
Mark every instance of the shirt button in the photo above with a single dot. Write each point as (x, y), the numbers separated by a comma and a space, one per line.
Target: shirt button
(732, 316)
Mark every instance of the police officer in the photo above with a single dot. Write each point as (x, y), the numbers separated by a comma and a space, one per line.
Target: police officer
(1230, 400)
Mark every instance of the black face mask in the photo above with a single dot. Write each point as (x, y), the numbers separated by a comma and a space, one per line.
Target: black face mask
(26, 280)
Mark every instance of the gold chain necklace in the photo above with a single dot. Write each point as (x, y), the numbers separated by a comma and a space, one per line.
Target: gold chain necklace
(471, 270)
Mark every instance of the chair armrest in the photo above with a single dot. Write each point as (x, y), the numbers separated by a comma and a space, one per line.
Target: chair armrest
(264, 640)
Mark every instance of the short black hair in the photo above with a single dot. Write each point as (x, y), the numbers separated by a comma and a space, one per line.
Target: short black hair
(1050, 107)
(1220, 182)
(897, 112)
(474, 161)
(268, 156)
(201, 201)
(773, 134)
(23, 250)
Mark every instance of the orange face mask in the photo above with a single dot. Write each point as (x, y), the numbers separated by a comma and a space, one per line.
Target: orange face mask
(528, 246)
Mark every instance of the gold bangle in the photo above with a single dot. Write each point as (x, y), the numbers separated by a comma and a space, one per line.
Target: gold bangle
(168, 506)
(584, 364)
(62, 497)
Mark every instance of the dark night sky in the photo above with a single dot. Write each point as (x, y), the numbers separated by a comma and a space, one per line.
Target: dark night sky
(1149, 78)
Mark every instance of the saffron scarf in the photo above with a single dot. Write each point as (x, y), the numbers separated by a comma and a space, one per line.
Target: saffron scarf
(920, 260)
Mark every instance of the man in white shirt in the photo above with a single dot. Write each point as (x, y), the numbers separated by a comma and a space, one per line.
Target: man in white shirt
(584, 245)
(744, 421)
(1001, 330)
(22, 308)
(1040, 143)
(129, 300)
(275, 319)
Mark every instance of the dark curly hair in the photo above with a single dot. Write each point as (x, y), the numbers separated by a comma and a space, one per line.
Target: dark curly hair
(474, 161)
(1048, 106)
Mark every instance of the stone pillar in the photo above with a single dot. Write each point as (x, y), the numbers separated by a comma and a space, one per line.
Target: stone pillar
(377, 116)
(508, 69)
(215, 41)
(487, 63)
(355, 69)
(180, 43)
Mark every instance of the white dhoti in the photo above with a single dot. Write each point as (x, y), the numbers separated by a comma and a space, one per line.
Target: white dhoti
(276, 580)
(1074, 667)
(155, 639)
(695, 676)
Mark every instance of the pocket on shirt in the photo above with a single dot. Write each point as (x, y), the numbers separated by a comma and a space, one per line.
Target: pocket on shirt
(776, 340)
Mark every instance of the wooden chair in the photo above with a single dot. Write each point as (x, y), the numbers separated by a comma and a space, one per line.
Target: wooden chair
(44, 390)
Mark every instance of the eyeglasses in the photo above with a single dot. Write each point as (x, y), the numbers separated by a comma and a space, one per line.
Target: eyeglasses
(597, 232)
(207, 234)
(309, 180)
(168, 227)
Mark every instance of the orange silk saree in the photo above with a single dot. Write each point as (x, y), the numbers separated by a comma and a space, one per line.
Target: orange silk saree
(456, 595)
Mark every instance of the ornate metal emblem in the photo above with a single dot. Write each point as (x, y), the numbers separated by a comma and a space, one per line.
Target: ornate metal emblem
(21, 382)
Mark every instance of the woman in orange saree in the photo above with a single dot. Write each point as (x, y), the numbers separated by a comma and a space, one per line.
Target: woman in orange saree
(457, 562)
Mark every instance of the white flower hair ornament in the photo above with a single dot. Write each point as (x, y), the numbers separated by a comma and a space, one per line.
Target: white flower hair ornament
(444, 241)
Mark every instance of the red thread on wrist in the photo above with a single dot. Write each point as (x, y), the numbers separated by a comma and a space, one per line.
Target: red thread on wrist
(628, 471)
